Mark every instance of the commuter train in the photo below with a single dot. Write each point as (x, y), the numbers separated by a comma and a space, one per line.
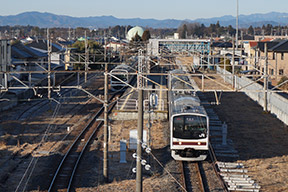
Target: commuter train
(189, 123)
(122, 77)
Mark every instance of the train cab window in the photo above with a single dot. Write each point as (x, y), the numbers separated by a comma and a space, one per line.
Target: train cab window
(189, 127)
(178, 123)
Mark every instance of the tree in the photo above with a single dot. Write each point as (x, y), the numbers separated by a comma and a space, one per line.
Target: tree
(218, 25)
(146, 35)
(93, 47)
(231, 30)
(251, 30)
(136, 38)
(182, 30)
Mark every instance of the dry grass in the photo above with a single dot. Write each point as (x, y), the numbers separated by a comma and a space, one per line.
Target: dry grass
(3, 145)
(260, 139)
(3, 141)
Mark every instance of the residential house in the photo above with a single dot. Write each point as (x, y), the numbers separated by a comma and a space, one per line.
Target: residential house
(279, 59)
(256, 54)
(27, 40)
(25, 58)
(57, 52)
(251, 51)
(115, 46)
(277, 52)
(261, 37)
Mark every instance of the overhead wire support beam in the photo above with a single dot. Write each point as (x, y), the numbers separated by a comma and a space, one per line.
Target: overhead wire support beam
(21, 82)
(121, 80)
(44, 69)
(80, 88)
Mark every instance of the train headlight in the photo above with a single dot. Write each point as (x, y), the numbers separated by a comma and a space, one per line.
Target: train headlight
(199, 143)
(180, 143)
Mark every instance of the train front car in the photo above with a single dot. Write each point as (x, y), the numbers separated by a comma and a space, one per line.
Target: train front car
(189, 123)
(120, 77)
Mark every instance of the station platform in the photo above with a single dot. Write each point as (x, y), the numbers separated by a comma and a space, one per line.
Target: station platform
(126, 107)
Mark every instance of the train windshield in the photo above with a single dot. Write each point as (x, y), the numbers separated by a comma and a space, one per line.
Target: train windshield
(189, 127)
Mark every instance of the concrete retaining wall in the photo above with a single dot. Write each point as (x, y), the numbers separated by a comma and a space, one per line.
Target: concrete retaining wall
(277, 104)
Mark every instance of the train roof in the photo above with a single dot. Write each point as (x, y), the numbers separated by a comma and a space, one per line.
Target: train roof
(186, 103)
(177, 71)
(183, 98)
(121, 68)
(188, 100)
(185, 109)
(178, 80)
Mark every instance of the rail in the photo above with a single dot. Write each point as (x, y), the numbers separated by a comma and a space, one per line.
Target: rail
(52, 184)
(56, 175)
(200, 176)
(187, 178)
(214, 160)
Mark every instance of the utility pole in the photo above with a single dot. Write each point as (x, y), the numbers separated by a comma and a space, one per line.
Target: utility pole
(49, 47)
(140, 124)
(276, 67)
(266, 79)
(237, 24)
(255, 63)
(105, 150)
(233, 64)
(69, 34)
(242, 45)
(86, 57)
(105, 51)
(224, 68)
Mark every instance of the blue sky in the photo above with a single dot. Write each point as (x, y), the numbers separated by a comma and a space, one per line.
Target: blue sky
(158, 9)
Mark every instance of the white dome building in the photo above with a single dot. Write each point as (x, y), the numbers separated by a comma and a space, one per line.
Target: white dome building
(132, 32)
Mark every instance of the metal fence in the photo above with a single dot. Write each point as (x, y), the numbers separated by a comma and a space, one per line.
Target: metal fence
(277, 104)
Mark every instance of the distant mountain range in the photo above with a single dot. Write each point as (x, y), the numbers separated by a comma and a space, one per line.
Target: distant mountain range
(52, 20)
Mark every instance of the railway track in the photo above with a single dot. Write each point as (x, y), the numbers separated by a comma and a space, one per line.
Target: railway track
(36, 106)
(192, 177)
(231, 176)
(195, 178)
(64, 175)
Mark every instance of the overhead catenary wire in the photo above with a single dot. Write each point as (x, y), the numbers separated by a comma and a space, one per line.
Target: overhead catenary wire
(167, 171)
(34, 160)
